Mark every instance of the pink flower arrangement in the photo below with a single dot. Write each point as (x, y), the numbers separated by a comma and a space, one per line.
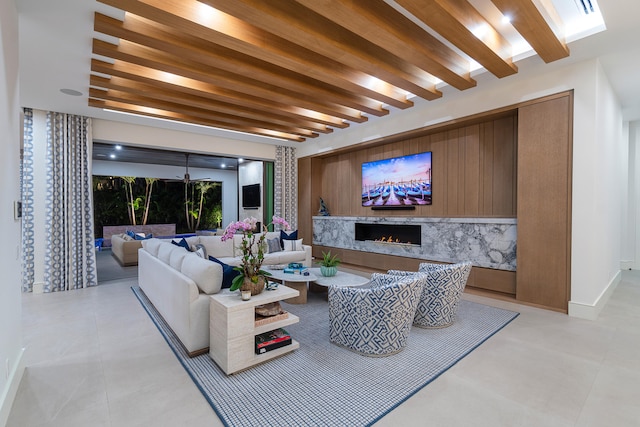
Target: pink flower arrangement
(252, 253)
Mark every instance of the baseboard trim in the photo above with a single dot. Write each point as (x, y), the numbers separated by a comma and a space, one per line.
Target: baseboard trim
(10, 391)
(627, 265)
(592, 311)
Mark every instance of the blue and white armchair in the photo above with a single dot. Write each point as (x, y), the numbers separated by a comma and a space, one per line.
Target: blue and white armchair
(374, 321)
(441, 294)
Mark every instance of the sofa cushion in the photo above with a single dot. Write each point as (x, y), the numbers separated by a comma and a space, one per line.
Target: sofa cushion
(152, 246)
(273, 245)
(182, 242)
(292, 235)
(206, 274)
(228, 273)
(216, 247)
(142, 236)
(237, 244)
(293, 245)
(177, 257)
(283, 257)
(164, 252)
(201, 251)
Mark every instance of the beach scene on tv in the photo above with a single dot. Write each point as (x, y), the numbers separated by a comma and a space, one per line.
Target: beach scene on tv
(399, 181)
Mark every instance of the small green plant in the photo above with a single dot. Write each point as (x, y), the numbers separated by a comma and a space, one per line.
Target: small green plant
(329, 261)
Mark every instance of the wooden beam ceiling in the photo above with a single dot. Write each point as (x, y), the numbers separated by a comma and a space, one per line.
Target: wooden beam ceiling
(294, 69)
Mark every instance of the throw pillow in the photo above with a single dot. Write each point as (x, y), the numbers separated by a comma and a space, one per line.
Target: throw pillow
(201, 251)
(287, 236)
(182, 243)
(293, 245)
(142, 236)
(228, 273)
(273, 245)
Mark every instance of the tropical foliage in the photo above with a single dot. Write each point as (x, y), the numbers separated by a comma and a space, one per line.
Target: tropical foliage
(120, 200)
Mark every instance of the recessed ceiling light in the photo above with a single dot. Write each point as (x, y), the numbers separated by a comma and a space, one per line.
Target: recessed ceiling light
(118, 147)
(240, 160)
(506, 19)
(112, 156)
(223, 166)
(71, 92)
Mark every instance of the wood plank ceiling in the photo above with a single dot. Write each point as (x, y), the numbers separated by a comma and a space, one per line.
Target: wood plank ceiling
(294, 69)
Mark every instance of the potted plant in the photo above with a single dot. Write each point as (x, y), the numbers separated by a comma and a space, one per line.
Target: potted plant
(251, 277)
(329, 264)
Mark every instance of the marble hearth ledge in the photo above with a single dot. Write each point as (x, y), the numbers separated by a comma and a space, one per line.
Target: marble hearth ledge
(486, 242)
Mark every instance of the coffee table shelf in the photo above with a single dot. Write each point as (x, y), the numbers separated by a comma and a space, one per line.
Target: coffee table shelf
(233, 330)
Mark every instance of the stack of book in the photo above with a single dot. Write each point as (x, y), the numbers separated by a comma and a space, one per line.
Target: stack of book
(272, 340)
(295, 268)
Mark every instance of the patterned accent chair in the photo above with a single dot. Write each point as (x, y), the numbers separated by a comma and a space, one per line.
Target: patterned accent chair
(376, 320)
(441, 293)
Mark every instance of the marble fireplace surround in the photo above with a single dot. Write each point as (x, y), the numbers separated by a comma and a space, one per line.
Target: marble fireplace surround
(486, 242)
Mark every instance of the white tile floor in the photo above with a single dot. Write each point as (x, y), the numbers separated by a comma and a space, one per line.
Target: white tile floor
(94, 358)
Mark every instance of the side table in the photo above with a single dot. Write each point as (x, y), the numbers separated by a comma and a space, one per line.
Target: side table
(233, 328)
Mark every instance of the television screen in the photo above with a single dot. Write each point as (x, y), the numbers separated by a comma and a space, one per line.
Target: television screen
(251, 196)
(399, 181)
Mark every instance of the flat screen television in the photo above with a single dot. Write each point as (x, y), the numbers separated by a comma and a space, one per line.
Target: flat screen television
(398, 181)
(251, 196)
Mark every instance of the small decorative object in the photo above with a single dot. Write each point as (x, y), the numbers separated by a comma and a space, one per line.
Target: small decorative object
(251, 276)
(323, 208)
(270, 309)
(329, 264)
(271, 286)
(246, 295)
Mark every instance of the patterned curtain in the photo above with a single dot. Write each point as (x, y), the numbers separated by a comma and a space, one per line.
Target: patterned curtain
(286, 185)
(70, 259)
(26, 190)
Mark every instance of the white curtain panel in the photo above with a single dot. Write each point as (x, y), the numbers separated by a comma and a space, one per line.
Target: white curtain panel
(26, 191)
(286, 185)
(70, 259)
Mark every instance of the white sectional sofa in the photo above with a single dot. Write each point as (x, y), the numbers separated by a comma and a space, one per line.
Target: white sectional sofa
(179, 282)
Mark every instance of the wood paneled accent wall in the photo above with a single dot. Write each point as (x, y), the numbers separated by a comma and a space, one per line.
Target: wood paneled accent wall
(515, 162)
(473, 173)
(544, 202)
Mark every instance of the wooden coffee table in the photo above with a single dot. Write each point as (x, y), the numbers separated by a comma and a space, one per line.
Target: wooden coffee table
(299, 282)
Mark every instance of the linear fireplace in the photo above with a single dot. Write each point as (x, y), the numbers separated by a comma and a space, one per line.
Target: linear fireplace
(389, 233)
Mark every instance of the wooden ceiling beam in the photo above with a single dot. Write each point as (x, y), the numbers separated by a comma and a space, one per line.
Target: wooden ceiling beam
(142, 32)
(457, 21)
(229, 119)
(531, 24)
(189, 18)
(151, 91)
(205, 90)
(135, 54)
(381, 24)
(169, 115)
(292, 21)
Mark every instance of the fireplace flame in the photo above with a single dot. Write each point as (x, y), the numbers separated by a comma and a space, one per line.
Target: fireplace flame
(389, 239)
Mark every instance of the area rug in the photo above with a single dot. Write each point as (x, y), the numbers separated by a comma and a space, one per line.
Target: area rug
(321, 384)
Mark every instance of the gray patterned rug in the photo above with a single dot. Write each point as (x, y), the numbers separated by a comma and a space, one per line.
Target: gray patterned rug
(321, 384)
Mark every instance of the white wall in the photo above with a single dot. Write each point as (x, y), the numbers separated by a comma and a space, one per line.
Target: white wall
(631, 249)
(599, 154)
(251, 173)
(600, 187)
(228, 178)
(11, 361)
